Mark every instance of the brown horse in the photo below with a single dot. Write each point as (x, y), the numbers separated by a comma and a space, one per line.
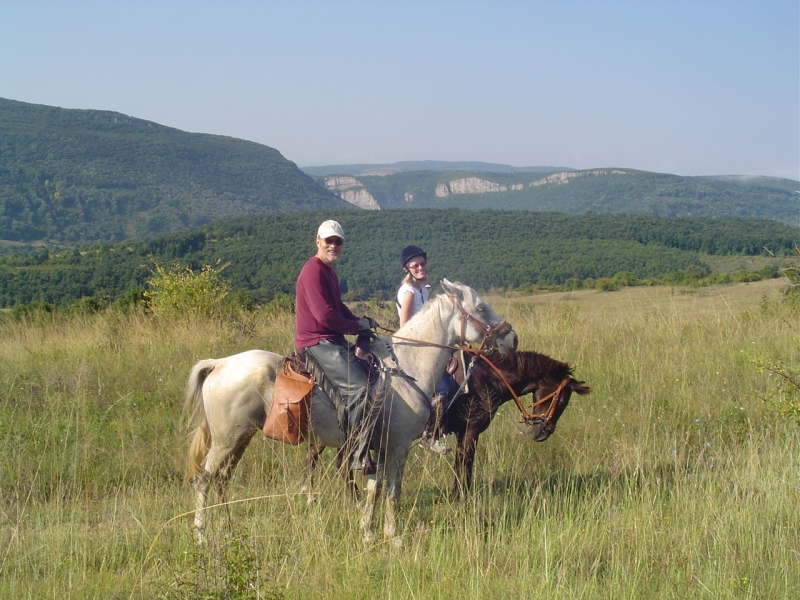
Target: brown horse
(549, 380)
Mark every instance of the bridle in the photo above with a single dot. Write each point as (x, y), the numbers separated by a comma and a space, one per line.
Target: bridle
(529, 418)
(490, 334)
(554, 396)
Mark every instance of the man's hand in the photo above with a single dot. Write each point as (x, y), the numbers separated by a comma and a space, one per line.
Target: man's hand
(365, 323)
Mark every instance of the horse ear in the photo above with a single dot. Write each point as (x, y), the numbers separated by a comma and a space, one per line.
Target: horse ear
(450, 289)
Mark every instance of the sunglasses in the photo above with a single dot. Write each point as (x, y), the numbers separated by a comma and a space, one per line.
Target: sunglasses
(333, 241)
(418, 265)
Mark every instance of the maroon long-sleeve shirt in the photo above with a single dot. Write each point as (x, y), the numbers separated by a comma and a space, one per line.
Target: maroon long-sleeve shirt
(319, 310)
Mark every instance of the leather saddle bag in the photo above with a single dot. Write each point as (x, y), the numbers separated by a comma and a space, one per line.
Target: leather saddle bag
(287, 420)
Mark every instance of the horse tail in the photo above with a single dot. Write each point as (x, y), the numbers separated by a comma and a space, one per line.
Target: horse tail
(200, 434)
(579, 387)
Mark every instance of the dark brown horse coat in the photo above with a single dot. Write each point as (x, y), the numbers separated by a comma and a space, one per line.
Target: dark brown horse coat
(471, 413)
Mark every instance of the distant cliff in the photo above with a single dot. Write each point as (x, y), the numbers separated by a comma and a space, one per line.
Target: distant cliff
(610, 190)
(351, 190)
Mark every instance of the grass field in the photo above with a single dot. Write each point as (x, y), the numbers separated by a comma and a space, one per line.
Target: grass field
(673, 479)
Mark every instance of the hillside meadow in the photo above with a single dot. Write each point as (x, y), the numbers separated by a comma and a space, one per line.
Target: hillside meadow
(673, 479)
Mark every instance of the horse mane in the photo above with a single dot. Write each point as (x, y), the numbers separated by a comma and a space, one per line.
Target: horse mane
(527, 364)
(428, 306)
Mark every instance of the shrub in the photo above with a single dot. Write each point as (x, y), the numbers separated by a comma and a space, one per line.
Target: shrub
(180, 289)
(625, 279)
(792, 272)
(35, 311)
(280, 303)
(131, 298)
(783, 392)
(606, 284)
(89, 304)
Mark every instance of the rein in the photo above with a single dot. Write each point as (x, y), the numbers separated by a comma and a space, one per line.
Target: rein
(490, 334)
(527, 417)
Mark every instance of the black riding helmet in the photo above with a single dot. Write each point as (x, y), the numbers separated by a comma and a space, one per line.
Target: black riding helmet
(409, 252)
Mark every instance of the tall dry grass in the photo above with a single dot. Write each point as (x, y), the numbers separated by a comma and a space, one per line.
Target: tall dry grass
(671, 480)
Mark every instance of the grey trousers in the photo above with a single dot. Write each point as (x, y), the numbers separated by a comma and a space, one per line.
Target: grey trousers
(350, 394)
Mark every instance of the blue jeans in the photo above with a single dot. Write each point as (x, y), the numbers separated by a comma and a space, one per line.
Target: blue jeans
(445, 386)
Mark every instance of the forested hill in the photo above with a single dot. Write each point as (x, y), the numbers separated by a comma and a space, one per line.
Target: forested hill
(73, 177)
(70, 178)
(602, 190)
(485, 249)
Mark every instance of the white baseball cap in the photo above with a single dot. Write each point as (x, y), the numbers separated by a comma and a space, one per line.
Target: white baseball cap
(330, 228)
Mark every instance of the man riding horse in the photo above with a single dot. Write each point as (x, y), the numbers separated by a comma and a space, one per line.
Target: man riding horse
(321, 322)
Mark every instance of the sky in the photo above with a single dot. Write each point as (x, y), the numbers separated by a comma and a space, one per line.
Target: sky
(690, 87)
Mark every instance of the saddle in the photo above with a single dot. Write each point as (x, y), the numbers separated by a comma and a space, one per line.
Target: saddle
(457, 368)
(287, 420)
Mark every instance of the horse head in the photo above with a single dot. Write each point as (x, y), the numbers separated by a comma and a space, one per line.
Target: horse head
(550, 399)
(544, 423)
(478, 321)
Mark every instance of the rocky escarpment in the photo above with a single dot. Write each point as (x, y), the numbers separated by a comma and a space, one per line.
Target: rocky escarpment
(353, 191)
(567, 175)
(477, 185)
(471, 185)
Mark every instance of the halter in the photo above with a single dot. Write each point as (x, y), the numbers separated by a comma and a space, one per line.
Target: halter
(489, 333)
(529, 417)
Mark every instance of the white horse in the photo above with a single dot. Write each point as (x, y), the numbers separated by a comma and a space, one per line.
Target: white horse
(229, 398)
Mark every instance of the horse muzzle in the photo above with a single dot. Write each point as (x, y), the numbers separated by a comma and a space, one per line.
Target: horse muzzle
(505, 340)
(541, 428)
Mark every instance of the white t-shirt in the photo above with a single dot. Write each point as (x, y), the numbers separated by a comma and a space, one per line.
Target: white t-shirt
(420, 297)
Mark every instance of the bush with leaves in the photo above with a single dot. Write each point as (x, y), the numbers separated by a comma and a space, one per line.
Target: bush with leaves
(783, 392)
(182, 290)
(792, 273)
(280, 303)
(35, 311)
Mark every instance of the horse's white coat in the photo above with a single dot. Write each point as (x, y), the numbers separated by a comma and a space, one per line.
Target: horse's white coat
(230, 398)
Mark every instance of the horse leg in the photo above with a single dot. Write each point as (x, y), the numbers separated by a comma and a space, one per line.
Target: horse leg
(464, 462)
(312, 460)
(349, 477)
(201, 483)
(368, 512)
(217, 467)
(394, 465)
(352, 486)
(307, 480)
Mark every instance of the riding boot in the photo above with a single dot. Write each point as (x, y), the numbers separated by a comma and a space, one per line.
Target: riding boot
(430, 439)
